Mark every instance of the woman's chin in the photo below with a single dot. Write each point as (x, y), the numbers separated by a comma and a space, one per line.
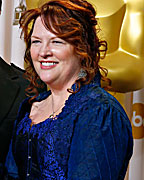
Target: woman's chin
(46, 79)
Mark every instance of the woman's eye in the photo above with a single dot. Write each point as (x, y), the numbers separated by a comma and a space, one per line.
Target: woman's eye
(57, 42)
(35, 41)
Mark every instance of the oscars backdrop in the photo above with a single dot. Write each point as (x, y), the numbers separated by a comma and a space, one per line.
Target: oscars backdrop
(122, 25)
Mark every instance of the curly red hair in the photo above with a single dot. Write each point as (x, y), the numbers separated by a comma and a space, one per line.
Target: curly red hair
(73, 21)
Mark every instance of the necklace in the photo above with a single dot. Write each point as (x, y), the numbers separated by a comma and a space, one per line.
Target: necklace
(52, 116)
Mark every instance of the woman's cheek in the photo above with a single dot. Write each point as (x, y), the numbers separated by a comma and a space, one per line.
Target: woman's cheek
(34, 53)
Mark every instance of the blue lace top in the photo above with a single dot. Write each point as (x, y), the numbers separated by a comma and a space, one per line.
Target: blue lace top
(91, 139)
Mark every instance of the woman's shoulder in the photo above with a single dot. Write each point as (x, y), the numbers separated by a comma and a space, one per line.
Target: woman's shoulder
(101, 109)
(25, 105)
(98, 97)
(40, 97)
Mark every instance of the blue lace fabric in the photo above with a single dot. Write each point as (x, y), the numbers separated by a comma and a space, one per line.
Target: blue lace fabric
(91, 139)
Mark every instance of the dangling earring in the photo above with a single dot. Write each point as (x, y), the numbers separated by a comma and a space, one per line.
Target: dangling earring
(82, 73)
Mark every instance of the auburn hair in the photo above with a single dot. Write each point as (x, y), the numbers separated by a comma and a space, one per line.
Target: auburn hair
(75, 22)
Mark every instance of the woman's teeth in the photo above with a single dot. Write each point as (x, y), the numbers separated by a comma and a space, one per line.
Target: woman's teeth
(48, 63)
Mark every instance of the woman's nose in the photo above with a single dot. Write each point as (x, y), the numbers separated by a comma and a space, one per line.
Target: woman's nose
(45, 51)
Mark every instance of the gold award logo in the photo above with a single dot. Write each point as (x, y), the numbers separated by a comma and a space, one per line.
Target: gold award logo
(138, 120)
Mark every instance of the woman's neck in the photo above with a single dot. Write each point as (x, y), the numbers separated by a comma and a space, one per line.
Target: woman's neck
(60, 91)
(60, 97)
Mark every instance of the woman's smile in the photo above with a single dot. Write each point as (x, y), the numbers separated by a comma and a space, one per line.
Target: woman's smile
(48, 64)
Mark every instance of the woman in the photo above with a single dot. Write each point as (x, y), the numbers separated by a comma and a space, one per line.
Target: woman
(76, 130)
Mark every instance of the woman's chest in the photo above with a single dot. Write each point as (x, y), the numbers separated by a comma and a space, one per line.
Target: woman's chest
(46, 146)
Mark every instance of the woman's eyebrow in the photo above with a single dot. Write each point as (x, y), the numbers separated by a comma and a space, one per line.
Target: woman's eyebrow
(34, 36)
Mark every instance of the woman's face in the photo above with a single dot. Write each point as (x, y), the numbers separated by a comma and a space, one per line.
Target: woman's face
(53, 58)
